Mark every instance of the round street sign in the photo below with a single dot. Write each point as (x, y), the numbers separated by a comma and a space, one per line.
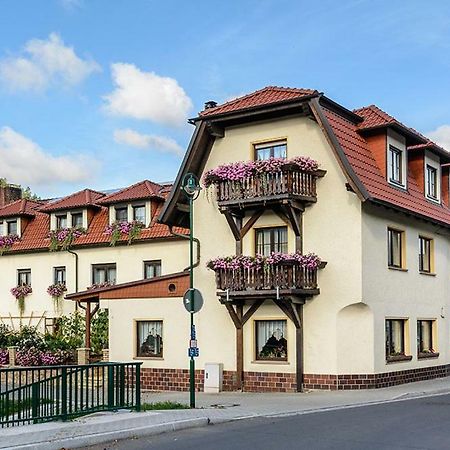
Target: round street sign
(193, 300)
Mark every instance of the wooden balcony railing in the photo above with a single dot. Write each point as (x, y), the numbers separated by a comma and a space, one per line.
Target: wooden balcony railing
(290, 182)
(283, 276)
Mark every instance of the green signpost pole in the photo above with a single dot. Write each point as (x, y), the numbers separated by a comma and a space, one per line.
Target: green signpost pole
(191, 287)
(191, 188)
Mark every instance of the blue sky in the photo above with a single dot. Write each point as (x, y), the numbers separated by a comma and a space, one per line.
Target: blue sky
(96, 93)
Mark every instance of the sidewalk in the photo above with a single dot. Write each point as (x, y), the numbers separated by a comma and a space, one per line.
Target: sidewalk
(211, 408)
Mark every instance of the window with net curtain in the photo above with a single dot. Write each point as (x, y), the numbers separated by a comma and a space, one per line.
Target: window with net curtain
(271, 340)
(102, 273)
(395, 337)
(266, 150)
(149, 339)
(269, 240)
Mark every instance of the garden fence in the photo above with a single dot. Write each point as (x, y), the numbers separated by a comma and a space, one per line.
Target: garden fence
(50, 393)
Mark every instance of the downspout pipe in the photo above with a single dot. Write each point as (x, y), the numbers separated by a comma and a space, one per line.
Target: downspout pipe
(196, 240)
(76, 272)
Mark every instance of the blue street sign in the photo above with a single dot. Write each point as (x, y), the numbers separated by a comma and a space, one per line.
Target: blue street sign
(193, 352)
(193, 333)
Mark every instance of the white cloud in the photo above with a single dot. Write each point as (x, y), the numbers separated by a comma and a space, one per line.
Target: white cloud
(147, 141)
(45, 62)
(441, 135)
(23, 161)
(147, 96)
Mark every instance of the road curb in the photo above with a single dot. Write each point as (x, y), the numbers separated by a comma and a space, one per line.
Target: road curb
(99, 438)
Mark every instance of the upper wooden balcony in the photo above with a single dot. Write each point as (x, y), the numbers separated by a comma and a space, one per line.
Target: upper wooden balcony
(291, 183)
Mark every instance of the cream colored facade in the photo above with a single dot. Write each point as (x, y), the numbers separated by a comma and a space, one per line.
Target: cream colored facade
(339, 245)
(129, 260)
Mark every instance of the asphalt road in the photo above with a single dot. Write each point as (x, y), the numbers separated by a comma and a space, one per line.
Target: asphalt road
(413, 424)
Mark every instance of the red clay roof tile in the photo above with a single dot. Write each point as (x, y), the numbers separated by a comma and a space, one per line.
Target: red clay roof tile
(265, 96)
(84, 198)
(363, 163)
(21, 207)
(142, 190)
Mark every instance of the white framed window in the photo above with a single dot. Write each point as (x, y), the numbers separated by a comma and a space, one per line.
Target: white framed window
(59, 275)
(432, 175)
(139, 213)
(396, 159)
(61, 221)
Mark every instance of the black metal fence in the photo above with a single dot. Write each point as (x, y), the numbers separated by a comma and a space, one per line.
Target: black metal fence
(44, 394)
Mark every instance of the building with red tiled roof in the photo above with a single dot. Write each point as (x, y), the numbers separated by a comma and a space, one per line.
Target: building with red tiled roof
(91, 258)
(377, 211)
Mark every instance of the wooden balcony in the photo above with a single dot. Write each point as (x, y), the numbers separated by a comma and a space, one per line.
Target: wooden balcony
(284, 280)
(266, 188)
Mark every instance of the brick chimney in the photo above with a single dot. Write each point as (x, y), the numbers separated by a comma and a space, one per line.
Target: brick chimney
(9, 194)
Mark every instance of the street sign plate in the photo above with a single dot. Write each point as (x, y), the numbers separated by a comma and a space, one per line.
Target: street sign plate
(193, 300)
(193, 352)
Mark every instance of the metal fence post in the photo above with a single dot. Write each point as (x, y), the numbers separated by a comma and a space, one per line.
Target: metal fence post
(64, 388)
(121, 382)
(35, 401)
(138, 387)
(110, 386)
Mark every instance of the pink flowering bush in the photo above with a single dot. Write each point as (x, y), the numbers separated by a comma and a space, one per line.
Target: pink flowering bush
(310, 261)
(6, 242)
(35, 357)
(131, 230)
(20, 292)
(4, 357)
(64, 238)
(241, 170)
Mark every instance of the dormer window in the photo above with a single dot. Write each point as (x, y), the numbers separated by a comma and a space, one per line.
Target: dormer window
(268, 150)
(432, 175)
(396, 159)
(121, 213)
(395, 165)
(77, 219)
(11, 227)
(61, 221)
(432, 182)
(139, 213)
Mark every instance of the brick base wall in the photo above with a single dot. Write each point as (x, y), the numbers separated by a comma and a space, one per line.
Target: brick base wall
(178, 380)
(374, 381)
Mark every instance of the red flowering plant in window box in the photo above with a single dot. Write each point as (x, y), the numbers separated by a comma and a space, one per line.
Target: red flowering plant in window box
(6, 242)
(20, 292)
(130, 230)
(64, 238)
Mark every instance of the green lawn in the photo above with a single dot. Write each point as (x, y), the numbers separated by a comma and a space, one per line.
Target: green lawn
(163, 405)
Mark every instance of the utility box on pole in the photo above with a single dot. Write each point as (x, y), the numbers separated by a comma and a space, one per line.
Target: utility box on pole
(213, 378)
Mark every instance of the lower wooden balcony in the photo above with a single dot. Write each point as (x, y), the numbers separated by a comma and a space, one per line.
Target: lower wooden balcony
(275, 282)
